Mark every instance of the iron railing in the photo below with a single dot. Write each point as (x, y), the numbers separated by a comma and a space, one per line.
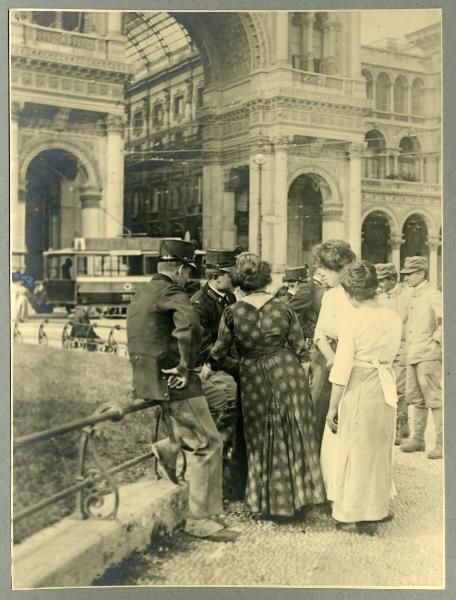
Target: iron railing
(92, 483)
(84, 340)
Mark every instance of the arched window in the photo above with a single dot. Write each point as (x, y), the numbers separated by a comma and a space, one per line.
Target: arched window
(375, 235)
(417, 97)
(400, 95)
(409, 149)
(374, 162)
(45, 18)
(369, 83)
(73, 21)
(415, 234)
(383, 92)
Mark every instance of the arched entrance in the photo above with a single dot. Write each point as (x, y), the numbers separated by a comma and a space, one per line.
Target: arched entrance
(375, 235)
(52, 205)
(415, 234)
(304, 219)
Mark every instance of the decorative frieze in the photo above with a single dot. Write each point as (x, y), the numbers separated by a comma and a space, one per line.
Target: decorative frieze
(386, 198)
(67, 85)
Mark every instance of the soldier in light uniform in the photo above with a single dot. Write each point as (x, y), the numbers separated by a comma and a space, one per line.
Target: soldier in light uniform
(164, 338)
(424, 355)
(396, 295)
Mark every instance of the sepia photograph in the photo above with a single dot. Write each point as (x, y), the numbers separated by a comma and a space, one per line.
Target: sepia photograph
(226, 298)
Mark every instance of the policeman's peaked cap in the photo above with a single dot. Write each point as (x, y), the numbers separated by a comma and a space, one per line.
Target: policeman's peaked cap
(296, 273)
(221, 259)
(172, 250)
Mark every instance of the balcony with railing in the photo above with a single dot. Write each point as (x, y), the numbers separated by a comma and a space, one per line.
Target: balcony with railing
(54, 45)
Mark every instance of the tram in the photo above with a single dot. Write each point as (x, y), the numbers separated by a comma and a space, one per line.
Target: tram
(104, 272)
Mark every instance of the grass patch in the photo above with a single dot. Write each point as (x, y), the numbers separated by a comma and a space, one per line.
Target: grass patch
(53, 386)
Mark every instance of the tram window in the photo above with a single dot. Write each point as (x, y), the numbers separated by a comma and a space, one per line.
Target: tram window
(150, 265)
(82, 265)
(135, 266)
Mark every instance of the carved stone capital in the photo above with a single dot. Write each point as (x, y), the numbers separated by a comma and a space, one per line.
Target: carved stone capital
(90, 200)
(396, 240)
(356, 149)
(434, 242)
(332, 212)
(115, 123)
(16, 110)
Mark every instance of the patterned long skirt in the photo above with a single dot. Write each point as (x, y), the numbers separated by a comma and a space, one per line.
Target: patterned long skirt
(282, 448)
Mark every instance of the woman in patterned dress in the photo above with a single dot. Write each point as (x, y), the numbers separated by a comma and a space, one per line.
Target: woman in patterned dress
(282, 451)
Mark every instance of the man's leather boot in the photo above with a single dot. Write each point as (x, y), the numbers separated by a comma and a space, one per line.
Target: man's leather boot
(437, 452)
(416, 444)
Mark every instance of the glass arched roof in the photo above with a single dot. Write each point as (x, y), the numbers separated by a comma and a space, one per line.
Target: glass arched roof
(154, 38)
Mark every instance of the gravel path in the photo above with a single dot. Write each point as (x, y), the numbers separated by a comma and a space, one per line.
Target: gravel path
(407, 552)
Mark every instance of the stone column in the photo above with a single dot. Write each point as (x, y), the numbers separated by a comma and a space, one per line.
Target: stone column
(114, 190)
(58, 20)
(433, 245)
(408, 100)
(213, 204)
(17, 197)
(395, 241)
(281, 38)
(280, 200)
(333, 225)
(90, 214)
(308, 20)
(330, 30)
(114, 25)
(254, 190)
(354, 203)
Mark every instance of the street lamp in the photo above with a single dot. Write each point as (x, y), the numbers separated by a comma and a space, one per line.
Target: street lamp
(259, 159)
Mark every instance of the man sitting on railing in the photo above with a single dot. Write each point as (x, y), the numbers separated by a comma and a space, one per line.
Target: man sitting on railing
(164, 339)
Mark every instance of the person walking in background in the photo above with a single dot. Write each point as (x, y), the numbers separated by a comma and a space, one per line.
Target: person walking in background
(424, 355)
(396, 295)
(284, 472)
(362, 411)
(164, 339)
(331, 257)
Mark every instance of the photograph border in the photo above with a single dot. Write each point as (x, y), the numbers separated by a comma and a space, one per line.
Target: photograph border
(449, 293)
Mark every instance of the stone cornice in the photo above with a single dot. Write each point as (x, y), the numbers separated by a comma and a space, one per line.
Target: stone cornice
(46, 60)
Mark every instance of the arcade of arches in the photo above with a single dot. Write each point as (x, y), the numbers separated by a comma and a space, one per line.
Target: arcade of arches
(162, 138)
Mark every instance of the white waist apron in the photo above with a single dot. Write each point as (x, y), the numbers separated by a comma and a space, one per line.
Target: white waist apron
(329, 447)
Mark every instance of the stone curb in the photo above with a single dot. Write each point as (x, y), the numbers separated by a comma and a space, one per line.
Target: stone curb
(75, 552)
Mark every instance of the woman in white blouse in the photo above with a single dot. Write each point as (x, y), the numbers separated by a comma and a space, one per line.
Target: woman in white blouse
(331, 257)
(362, 412)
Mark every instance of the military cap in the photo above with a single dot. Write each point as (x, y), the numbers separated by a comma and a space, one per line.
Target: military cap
(172, 250)
(296, 273)
(224, 260)
(415, 263)
(385, 270)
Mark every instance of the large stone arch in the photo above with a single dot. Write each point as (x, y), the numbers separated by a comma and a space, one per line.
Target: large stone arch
(389, 215)
(84, 155)
(432, 227)
(232, 45)
(330, 190)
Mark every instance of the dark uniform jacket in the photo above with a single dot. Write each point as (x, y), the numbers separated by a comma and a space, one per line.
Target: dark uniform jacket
(306, 302)
(163, 331)
(210, 306)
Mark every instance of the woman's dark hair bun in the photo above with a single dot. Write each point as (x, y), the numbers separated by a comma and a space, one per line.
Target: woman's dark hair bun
(251, 273)
(359, 280)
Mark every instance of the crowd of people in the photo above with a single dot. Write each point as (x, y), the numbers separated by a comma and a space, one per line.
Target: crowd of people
(294, 398)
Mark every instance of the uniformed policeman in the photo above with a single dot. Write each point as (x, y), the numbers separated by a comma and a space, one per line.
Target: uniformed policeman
(221, 387)
(396, 295)
(164, 339)
(424, 355)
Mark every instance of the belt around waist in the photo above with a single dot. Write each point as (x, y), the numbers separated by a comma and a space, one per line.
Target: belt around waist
(370, 365)
(262, 353)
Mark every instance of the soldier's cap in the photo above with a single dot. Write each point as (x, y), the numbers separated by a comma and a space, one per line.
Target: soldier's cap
(296, 273)
(172, 250)
(385, 270)
(221, 259)
(415, 263)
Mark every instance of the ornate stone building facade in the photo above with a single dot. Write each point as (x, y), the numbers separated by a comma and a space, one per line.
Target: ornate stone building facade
(268, 130)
